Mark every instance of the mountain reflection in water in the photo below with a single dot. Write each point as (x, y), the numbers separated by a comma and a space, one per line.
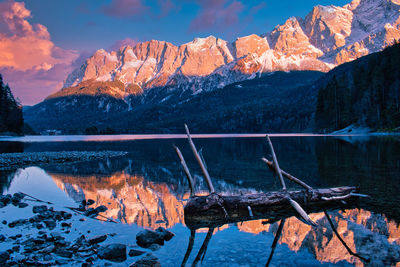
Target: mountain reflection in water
(133, 199)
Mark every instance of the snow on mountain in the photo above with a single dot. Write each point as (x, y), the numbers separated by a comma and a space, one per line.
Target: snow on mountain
(326, 37)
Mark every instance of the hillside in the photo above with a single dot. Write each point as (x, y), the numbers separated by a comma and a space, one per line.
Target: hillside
(365, 92)
(279, 101)
(11, 120)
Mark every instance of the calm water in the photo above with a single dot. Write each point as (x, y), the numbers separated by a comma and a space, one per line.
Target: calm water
(147, 189)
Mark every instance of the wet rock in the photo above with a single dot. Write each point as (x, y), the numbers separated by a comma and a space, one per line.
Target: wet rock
(154, 247)
(4, 256)
(90, 202)
(90, 212)
(39, 226)
(97, 239)
(51, 224)
(113, 252)
(47, 249)
(22, 205)
(2, 238)
(66, 215)
(167, 235)
(101, 208)
(82, 219)
(16, 248)
(39, 209)
(64, 253)
(146, 238)
(17, 223)
(17, 197)
(64, 224)
(5, 199)
(4, 222)
(147, 261)
(56, 236)
(135, 252)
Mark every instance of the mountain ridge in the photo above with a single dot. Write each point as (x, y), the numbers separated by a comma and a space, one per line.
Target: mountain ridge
(328, 36)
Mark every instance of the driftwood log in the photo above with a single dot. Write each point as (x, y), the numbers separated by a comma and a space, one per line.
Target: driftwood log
(209, 211)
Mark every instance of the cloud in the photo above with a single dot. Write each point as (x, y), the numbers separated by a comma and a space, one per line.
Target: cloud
(27, 53)
(124, 8)
(216, 14)
(166, 6)
(120, 43)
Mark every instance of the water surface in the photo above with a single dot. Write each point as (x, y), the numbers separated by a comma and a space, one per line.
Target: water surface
(147, 189)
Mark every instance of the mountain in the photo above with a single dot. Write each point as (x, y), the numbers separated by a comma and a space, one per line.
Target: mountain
(326, 37)
(137, 89)
(279, 101)
(365, 92)
(11, 120)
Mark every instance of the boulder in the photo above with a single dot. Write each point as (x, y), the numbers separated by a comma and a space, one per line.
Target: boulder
(112, 252)
(97, 239)
(39, 209)
(146, 238)
(167, 235)
(147, 261)
(135, 252)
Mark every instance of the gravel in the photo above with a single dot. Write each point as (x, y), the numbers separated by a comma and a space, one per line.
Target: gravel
(25, 159)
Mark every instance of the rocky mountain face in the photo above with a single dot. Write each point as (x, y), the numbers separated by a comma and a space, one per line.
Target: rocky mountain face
(326, 37)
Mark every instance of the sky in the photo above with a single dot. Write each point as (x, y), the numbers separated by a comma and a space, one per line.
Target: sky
(42, 41)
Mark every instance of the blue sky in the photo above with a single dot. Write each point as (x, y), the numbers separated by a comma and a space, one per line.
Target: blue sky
(42, 41)
(84, 25)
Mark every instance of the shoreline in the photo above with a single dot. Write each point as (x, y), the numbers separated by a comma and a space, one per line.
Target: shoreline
(10, 161)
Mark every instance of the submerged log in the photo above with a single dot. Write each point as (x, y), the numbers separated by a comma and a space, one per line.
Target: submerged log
(208, 211)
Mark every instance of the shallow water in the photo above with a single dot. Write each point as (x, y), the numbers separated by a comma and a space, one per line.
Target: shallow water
(147, 189)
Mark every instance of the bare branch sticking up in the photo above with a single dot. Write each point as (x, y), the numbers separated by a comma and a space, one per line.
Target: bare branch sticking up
(186, 169)
(201, 163)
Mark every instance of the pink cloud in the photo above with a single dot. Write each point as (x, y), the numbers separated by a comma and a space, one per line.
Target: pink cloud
(29, 60)
(120, 43)
(32, 86)
(166, 6)
(217, 14)
(124, 8)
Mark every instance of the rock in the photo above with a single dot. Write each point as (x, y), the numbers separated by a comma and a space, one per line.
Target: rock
(167, 235)
(135, 252)
(154, 247)
(147, 261)
(2, 238)
(97, 239)
(90, 202)
(22, 205)
(5, 199)
(4, 256)
(4, 222)
(64, 224)
(56, 236)
(101, 208)
(146, 238)
(66, 215)
(51, 224)
(47, 249)
(64, 253)
(39, 209)
(113, 252)
(90, 212)
(17, 197)
(17, 223)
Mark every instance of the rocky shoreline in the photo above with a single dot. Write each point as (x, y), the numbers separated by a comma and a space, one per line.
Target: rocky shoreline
(44, 238)
(10, 161)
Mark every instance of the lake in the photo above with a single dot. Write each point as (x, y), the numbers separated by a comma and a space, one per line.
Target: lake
(147, 189)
